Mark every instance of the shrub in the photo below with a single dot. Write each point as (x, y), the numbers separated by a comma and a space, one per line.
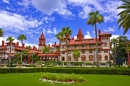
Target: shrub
(63, 77)
(12, 65)
(88, 63)
(77, 64)
(103, 63)
(76, 70)
(30, 65)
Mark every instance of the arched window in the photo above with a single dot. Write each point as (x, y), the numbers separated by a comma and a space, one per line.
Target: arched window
(91, 58)
(99, 57)
(63, 58)
(83, 58)
(105, 44)
(106, 57)
(69, 58)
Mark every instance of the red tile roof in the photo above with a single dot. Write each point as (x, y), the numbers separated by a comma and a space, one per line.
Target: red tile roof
(33, 51)
(85, 41)
(105, 33)
(2, 47)
(49, 54)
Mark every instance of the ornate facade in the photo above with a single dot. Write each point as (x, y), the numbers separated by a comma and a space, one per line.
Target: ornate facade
(86, 47)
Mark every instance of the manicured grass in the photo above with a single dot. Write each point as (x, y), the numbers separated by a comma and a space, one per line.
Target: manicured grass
(32, 79)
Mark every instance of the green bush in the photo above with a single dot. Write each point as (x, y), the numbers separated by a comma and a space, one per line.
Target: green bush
(88, 63)
(30, 65)
(103, 63)
(77, 64)
(12, 65)
(76, 70)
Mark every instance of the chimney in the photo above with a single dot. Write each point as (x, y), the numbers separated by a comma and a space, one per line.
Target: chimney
(17, 44)
(55, 43)
(2, 43)
(73, 38)
(23, 45)
(48, 45)
(99, 32)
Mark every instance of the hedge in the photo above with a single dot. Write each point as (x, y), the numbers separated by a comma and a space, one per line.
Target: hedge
(110, 71)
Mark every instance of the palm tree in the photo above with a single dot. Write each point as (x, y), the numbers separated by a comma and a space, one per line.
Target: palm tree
(60, 37)
(21, 37)
(76, 54)
(46, 50)
(94, 18)
(1, 32)
(10, 39)
(67, 32)
(124, 16)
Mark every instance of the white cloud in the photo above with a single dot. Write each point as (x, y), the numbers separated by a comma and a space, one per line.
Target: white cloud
(107, 8)
(49, 31)
(6, 1)
(15, 22)
(87, 36)
(51, 6)
(110, 29)
(85, 12)
(75, 37)
(25, 3)
(114, 36)
(53, 31)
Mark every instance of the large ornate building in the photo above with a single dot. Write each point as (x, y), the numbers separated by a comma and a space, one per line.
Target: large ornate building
(86, 47)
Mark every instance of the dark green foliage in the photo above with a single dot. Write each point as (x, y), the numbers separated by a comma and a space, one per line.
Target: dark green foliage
(76, 70)
(30, 65)
(34, 57)
(77, 64)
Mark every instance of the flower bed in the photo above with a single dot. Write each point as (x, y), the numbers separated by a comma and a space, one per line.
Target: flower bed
(62, 78)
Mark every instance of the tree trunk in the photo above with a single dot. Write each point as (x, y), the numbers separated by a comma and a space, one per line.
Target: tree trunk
(46, 58)
(60, 55)
(96, 45)
(109, 59)
(67, 51)
(77, 61)
(10, 62)
(21, 52)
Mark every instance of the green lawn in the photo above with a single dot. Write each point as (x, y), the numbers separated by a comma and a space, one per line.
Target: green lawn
(32, 79)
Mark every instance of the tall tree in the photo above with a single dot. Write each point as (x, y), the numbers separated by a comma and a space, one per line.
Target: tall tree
(46, 51)
(67, 32)
(114, 43)
(124, 16)
(122, 47)
(21, 38)
(76, 54)
(10, 39)
(1, 32)
(60, 37)
(94, 18)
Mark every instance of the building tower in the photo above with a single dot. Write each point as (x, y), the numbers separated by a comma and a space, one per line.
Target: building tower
(80, 35)
(42, 41)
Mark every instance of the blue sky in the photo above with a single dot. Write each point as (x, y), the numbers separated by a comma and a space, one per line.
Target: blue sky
(32, 17)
